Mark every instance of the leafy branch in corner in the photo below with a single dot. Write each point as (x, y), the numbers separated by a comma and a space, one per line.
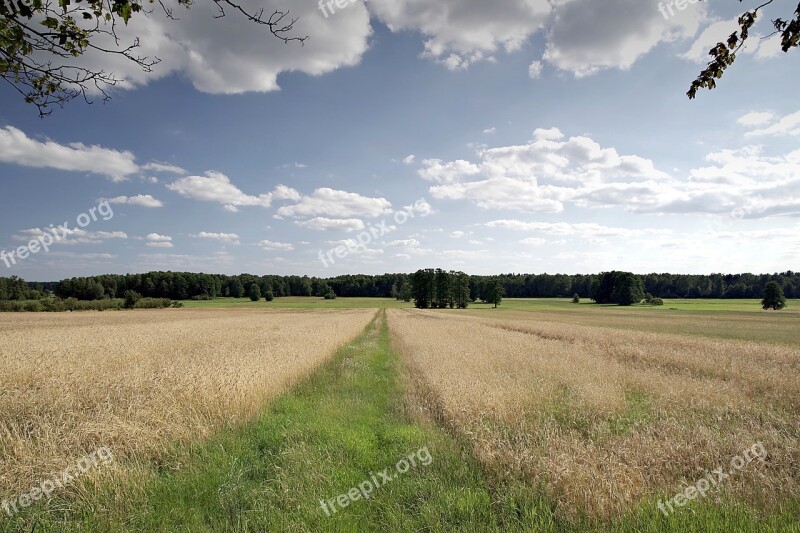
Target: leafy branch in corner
(724, 54)
(42, 40)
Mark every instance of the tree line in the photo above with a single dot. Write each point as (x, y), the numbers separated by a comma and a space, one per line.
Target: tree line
(187, 286)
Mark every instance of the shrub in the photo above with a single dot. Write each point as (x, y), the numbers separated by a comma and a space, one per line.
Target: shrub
(656, 301)
(255, 293)
(153, 303)
(131, 299)
(269, 296)
(576, 299)
(33, 306)
(330, 296)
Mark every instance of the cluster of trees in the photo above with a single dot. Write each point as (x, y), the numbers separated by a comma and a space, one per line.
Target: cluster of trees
(186, 286)
(621, 288)
(15, 289)
(437, 289)
(659, 285)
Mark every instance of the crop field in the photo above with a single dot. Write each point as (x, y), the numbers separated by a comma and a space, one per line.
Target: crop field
(535, 418)
(141, 381)
(607, 421)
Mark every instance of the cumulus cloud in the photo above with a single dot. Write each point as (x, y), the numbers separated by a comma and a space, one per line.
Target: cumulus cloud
(333, 203)
(141, 200)
(227, 237)
(564, 229)
(756, 118)
(587, 36)
(535, 70)
(217, 187)
(17, 148)
(276, 246)
(459, 33)
(421, 207)
(157, 166)
(71, 236)
(533, 241)
(786, 125)
(154, 240)
(282, 192)
(230, 55)
(413, 243)
(330, 224)
(538, 176)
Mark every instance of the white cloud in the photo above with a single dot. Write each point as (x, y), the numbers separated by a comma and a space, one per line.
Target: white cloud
(538, 176)
(17, 148)
(459, 33)
(217, 187)
(155, 237)
(71, 237)
(228, 237)
(533, 241)
(581, 230)
(141, 200)
(535, 70)
(282, 192)
(160, 244)
(413, 243)
(756, 118)
(328, 224)
(787, 125)
(230, 55)
(333, 203)
(409, 159)
(587, 36)
(272, 246)
(421, 207)
(490, 131)
(157, 166)
(440, 172)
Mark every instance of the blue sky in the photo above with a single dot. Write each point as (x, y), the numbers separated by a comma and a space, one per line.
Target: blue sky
(522, 136)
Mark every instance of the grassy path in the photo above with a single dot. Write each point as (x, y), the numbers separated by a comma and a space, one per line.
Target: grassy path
(340, 436)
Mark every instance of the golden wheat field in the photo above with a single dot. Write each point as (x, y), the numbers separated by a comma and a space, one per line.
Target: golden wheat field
(603, 418)
(141, 381)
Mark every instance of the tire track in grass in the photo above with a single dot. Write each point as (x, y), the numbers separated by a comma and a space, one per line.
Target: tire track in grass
(304, 463)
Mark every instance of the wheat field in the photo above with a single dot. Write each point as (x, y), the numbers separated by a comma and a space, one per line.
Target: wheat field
(603, 419)
(140, 382)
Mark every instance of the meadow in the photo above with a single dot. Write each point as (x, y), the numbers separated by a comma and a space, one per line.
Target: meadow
(541, 415)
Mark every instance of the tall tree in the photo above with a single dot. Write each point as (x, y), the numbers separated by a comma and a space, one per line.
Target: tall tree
(495, 292)
(236, 288)
(628, 289)
(773, 297)
(444, 290)
(461, 290)
(424, 288)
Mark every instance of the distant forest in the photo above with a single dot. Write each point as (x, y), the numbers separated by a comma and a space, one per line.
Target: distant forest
(187, 286)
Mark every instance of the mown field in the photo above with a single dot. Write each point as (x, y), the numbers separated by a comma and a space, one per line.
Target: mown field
(538, 416)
